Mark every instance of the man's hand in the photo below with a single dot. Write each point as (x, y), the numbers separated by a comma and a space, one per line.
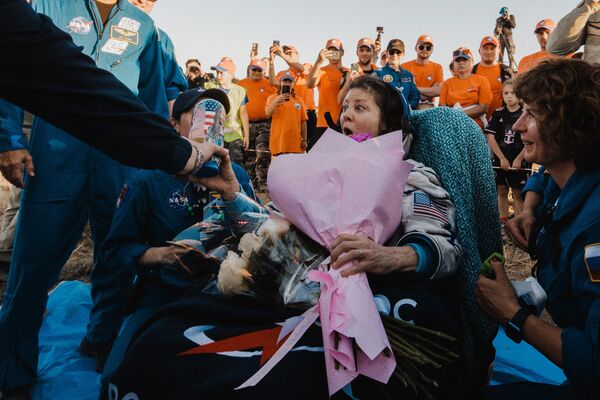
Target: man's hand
(517, 162)
(324, 54)
(12, 163)
(162, 255)
(282, 98)
(497, 297)
(504, 164)
(226, 184)
(519, 227)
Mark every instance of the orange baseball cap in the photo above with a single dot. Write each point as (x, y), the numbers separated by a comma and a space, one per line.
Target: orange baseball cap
(258, 63)
(365, 42)
(547, 24)
(336, 43)
(462, 52)
(226, 64)
(290, 47)
(424, 39)
(489, 40)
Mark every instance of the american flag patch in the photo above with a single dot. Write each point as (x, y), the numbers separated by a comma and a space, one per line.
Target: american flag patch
(592, 261)
(423, 205)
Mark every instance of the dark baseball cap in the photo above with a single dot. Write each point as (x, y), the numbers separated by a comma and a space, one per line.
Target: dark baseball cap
(189, 98)
(395, 44)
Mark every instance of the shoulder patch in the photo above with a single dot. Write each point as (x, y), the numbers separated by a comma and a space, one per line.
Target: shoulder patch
(388, 78)
(80, 26)
(592, 261)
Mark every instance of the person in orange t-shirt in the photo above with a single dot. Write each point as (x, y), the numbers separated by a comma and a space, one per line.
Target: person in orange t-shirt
(542, 32)
(365, 51)
(468, 92)
(428, 75)
(288, 127)
(328, 80)
(492, 70)
(258, 90)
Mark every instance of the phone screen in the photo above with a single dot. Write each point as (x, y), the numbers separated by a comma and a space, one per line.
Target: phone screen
(275, 42)
(285, 89)
(335, 55)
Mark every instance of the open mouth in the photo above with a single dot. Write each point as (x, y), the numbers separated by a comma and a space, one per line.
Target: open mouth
(347, 131)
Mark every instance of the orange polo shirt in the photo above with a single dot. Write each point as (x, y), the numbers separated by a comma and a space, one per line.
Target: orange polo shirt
(531, 60)
(467, 92)
(425, 75)
(300, 86)
(286, 126)
(330, 78)
(257, 92)
(492, 74)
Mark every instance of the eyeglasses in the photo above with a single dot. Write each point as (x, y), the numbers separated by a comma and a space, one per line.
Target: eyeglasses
(423, 47)
(394, 51)
(256, 69)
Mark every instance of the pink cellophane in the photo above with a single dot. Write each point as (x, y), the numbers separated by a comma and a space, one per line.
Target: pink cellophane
(342, 186)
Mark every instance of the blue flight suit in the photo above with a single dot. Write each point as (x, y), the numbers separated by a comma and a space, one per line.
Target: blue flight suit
(73, 182)
(570, 275)
(105, 315)
(175, 81)
(153, 209)
(404, 82)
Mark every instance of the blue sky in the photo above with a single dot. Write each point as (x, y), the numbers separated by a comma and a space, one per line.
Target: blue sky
(210, 30)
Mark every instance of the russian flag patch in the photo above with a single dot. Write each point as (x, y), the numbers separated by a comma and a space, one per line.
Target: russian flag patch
(592, 261)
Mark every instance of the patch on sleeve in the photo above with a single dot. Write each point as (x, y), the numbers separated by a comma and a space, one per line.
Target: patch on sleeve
(423, 205)
(122, 195)
(592, 261)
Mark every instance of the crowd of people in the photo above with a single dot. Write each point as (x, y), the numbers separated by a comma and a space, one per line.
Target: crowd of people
(543, 112)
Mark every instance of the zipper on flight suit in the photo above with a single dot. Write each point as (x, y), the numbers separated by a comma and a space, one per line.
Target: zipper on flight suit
(112, 14)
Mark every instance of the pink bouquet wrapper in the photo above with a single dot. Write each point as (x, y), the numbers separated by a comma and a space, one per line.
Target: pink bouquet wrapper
(342, 186)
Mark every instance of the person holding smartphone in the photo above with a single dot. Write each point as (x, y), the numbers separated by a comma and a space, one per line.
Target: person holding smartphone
(328, 80)
(366, 52)
(288, 119)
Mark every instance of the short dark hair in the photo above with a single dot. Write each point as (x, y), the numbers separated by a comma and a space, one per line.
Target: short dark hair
(387, 99)
(564, 95)
(191, 60)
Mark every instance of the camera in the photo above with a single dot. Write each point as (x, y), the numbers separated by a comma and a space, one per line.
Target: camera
(354, 68)
(379, 32)
(335, 55)
(194, 70)
(276, 43)
(255, 49)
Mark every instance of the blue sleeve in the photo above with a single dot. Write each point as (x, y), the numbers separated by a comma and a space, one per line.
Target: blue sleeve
(151, 85)
(77, 96)
(11, 127)
(126, 241)
(427, 252)
(581, 340)
(175, 82)
(536, 183)
(414, 96)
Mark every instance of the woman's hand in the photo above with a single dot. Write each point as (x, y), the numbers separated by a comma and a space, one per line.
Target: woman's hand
(370, 256)
(225, 183)
(497, 297)
(162, 255)
(520, 227)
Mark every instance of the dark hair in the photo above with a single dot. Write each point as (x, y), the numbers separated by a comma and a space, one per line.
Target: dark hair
(191, 60)
(387, 99)
(564, 95)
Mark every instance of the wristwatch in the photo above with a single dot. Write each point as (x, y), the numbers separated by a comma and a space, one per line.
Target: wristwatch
(514, 327)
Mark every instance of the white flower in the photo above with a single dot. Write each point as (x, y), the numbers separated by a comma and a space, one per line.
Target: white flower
(232, 274)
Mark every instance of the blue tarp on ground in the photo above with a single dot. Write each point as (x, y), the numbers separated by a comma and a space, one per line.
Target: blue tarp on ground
(65, 375)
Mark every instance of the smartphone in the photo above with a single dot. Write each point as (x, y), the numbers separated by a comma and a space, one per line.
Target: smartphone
(285, 89)
(335, 55)
(487, 269)
(379, 32)
(255, 49)
(276, 43)
(354, 68)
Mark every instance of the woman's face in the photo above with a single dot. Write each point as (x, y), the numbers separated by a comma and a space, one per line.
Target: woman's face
(536, 149)
(463, 66)
(360, 113)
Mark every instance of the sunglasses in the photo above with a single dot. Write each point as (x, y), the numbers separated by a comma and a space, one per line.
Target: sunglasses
(461, 52)
(256, 69)
(423, 47)
(394, 51)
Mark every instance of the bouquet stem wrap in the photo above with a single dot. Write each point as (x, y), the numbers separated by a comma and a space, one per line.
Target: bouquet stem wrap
(342, 186)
